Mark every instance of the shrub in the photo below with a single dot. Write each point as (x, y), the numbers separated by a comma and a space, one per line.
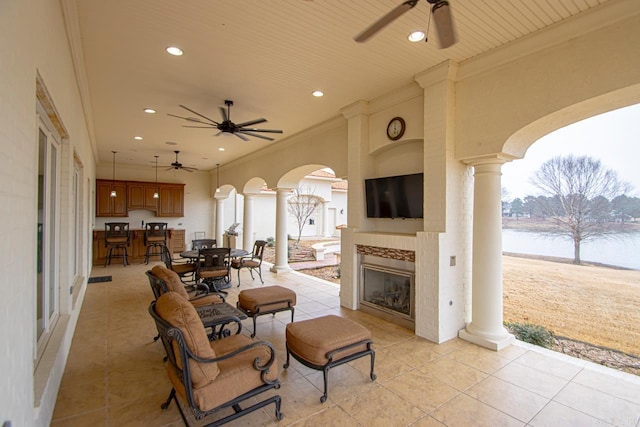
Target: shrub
(533, 334)
(271, 241)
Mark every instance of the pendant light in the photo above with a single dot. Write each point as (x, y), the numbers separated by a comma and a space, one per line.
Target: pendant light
(113, 178)
(155, 194)
(217, 177)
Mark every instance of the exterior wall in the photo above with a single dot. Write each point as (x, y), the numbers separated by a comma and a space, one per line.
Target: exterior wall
(34, 40)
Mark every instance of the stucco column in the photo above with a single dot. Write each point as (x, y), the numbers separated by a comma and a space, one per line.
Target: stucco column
(486, 327)
(325, 220)
(282, 261)
(247, 223)
(219, 222)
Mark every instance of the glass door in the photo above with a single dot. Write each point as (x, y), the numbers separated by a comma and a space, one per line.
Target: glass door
(47, 298)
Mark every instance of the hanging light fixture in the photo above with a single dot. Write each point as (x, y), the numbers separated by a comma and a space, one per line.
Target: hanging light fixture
(113, 178)
(155, 194)
(217, 177)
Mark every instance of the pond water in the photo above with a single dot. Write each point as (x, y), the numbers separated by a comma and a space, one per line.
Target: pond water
(622, 250)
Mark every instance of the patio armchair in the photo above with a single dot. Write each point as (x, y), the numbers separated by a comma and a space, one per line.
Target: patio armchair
(209, 376)
(163, 280)
(184, 269)
(252, 262)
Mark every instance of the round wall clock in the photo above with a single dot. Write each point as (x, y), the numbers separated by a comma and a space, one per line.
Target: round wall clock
(395, 128)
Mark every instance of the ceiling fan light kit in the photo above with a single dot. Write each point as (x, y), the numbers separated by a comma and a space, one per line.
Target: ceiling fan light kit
(440, 10)
(226, 126)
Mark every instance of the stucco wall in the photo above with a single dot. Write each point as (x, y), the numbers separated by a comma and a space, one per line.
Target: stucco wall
(34, 40)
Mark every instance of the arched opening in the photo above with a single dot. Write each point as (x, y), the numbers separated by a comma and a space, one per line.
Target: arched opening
(541, 284)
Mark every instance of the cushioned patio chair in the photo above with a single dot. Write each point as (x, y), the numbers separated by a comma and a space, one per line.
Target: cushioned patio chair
(155, 239)
(209, 376)
(252, 262)
(116, 237)
(203, 243)
(185, 269)
(163, 280)
(212, 268)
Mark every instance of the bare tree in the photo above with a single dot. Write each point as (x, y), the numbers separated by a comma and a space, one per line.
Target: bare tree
(575, 188)
(302, 205)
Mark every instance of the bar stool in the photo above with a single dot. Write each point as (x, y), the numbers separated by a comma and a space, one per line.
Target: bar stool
(116, 236)
(155, 238)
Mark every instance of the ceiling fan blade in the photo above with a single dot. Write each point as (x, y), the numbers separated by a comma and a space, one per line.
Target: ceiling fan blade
(242, 137)
(251, 122)
(262, 130)
(188, 169)
(189, 119)
(394, 14)
(255, 135)
(444, 24)
(198, 114)
(223, 112)
(201, 127)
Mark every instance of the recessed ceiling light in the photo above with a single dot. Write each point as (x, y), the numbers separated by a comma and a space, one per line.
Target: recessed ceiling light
(171, 143)
(221, 149)
(138, 138)
(317, 93)
(149, 110)
(175, 51)
(416, 36)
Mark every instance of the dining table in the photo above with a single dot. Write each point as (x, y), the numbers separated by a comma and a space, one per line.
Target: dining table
(193, 255)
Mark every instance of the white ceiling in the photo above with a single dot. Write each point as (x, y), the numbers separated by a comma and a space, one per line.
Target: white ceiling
(266, 56)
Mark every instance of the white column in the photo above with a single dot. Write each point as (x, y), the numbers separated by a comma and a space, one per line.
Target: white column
(486, 328)
(282, 262)
(247, 223)
(219, 222)
(325, 220)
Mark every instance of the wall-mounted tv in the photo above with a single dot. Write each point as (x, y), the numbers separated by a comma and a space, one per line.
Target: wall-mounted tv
(395, 196)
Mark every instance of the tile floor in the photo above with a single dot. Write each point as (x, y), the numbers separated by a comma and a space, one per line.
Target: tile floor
(115, 374)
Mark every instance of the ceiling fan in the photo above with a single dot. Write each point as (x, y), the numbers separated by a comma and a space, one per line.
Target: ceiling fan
(177, 165)
(440, 10)
(241, 130)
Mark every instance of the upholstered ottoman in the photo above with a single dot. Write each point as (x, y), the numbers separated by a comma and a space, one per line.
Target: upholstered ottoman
(325, 342)
(266, 300)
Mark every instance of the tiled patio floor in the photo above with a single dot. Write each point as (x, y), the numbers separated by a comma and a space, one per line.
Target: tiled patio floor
(115, 374)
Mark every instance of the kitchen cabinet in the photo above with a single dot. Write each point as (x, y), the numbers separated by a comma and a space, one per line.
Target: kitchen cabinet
(111, 206)
(140, 195)
(136, 249)
(171, 202)
(133, 195)
(177, 241)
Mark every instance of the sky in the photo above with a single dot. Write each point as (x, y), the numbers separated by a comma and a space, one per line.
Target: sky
(613, 138)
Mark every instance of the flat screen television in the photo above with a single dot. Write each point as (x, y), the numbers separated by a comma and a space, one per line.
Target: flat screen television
(395, 196)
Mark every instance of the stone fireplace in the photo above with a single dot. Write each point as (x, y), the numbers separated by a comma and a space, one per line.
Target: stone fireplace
(387, 284)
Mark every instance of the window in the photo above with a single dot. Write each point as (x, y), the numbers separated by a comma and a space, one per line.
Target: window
(47, 294)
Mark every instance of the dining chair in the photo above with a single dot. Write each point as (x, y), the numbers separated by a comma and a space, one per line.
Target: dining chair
(203, 243)
(212, 268)
(253, 262)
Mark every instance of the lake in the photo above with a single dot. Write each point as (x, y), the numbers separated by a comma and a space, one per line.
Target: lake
(621, 250)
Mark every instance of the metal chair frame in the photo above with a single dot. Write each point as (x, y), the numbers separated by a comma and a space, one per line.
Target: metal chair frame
(256, 255)
(176, 349)
(152, 233)
(116, 236)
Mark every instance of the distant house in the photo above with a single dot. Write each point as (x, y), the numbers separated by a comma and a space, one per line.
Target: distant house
(331, 193)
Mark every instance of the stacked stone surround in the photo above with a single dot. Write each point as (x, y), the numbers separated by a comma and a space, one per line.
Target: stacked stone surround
(390, 253)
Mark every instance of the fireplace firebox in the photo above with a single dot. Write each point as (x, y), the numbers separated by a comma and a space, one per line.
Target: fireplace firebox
(387, 293)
